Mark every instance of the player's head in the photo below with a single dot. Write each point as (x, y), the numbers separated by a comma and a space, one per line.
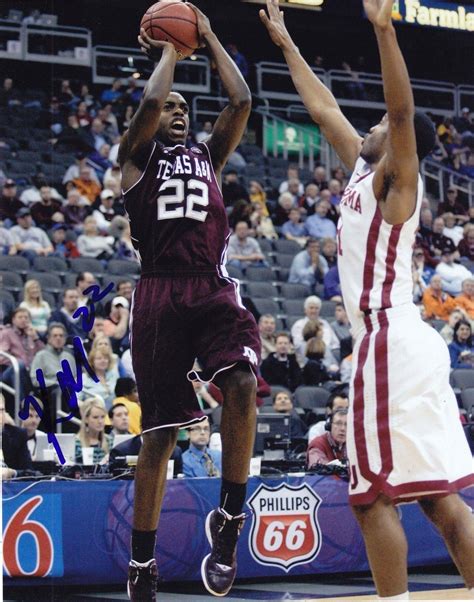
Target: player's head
(374, 144)
(174, 120)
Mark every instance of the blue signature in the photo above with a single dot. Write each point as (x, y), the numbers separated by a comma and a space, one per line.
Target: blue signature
(70, 385)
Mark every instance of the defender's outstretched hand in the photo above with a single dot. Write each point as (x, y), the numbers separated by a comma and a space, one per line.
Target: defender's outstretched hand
(379, 12)
(275, 24)
(153, 48)
(203, 24)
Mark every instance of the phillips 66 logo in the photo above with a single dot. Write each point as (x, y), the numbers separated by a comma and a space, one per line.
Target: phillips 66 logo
(285, 530)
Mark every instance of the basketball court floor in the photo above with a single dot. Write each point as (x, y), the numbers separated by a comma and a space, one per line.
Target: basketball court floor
(444, 584)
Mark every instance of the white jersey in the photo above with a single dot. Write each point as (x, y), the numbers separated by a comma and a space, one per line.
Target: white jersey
(375, 257)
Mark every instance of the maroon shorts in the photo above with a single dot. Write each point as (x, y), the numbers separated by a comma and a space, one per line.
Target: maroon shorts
(175, 320)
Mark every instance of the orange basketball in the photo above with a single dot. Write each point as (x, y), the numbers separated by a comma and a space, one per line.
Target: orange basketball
(173, 22)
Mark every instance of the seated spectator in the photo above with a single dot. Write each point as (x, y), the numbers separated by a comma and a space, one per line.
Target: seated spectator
(22, 341)
(113, 94)
(292, 176)
(282, 212)
(113, 180)
(198, 459)
(29, 241)
(319, 225)
(262, 224)
(241, 212)
(332, 285)
(332, 445)
(43, 211)
(329, 251)
(74, 170)
(116, 323)
(127, 394)
(335, 188)
(92, 431)
(438, 241)
(15, 454)
(451, 230)
(341, 325)
(339, 174)
(258, 196)
(309, 266)
(205, 132)
(466, 245)
(438, 304)
(6, 242)
(426, 225)
(105, 212)
(39, 310)
(87, 185)
(232, 189)
(309, 200)
(294, 228)
(314, 329)
(314, 370)
(91, 244)
(101, 342)
(447, 332)
(336, 401)
(467, 166)
(10, 204)
(100, 161)
(320, 177)
(244, 251)
(118, 416)
(9, 95)
(452, 205)
(82, 113)
(452, 274)
(464, 123)
(65, 314)
(281, 367)
(124, 288)
(266, 328)
(465, 300)
(31, 424)
(124, 245)
(106, 370)
(461, 349)
(74, 211)
(422, 273)
(66, 249)
(282, 404)
(49, 359)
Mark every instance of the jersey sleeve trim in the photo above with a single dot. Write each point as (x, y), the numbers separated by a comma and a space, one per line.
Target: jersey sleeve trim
(124, 192)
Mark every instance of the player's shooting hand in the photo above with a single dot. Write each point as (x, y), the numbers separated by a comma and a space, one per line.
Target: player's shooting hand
(379, 12)
(275, 24)
(203, 23)
(153, 48)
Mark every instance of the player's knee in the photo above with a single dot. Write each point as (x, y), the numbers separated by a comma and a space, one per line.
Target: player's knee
(160, 441)
(443, 512)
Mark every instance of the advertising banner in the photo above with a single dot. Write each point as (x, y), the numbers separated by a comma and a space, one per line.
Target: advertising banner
(431, 13)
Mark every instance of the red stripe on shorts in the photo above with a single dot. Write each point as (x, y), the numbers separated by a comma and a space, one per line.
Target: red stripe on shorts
(390, 265)
(382, 396)
(369, 264)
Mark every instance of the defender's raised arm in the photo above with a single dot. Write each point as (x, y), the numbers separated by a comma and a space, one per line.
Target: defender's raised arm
(320, 102)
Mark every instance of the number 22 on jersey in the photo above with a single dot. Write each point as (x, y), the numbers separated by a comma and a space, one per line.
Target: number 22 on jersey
(184, 200)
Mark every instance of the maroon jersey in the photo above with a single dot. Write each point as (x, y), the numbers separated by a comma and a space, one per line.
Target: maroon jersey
(176, 211)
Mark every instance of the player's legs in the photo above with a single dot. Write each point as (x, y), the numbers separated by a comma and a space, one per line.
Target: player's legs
(386, 546)
(455, 522)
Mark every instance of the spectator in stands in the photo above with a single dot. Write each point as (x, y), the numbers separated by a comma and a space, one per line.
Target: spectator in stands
(258, 196)
(310, 198)
(437, 303)
(239, 59)
(241, 212)
(92, 431)
(341, 325)
(309, 266)
(421, 273)
(127, 394)
(261, 223)
(31, 424)
(113, 180)
(461, 349)
(426, 224)
(32, 194)
(335, 188)
(118, 415)
(266, 328)
(244, 251)
(451, 230)
(9, 95)
(7, 246)
(66, 96)
(83, 116)
(332, 445)
(116, 323)
(53, 117)
(29, 241)
(339, 174)
(43, 211)
(124, 288)
(232, 189)
(447, 332)
(319, 225)
(465, 300)
(22, 341)
(294, 228)
(124, 249)
(281, 367)
(10, 204)
(320, 177)
(332, 285)
(74, 211)
(282, 212)
(105, 212)
(312, 309)
(205, 132)
(315, 372)
(66, 249)
(114, 94)
(282, 404)
(49, 359)
(64, 315)
(464, 123)
(132, 94)
(452, 274)
(438, 241)
(467, 166)
(15, 454)
(74, 170)
(452, 205)
(336, 401)
(86, 185)
(329, 251)
(198, 459)
(38, 309)
(72, 138)
(106, 371)
(314, 329)
(91, 244)
(99, 161)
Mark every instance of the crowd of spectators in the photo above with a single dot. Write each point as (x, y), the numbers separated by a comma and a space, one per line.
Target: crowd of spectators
(455, 143)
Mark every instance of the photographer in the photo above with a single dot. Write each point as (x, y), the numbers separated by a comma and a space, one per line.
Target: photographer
(332, 445)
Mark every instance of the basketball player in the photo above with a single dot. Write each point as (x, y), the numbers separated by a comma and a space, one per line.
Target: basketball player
(405, 440)
(185, 306)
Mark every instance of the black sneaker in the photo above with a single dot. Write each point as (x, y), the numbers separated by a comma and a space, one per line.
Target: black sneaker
(142, 581)
(218, 568)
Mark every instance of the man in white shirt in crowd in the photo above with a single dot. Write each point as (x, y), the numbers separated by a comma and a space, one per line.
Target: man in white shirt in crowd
(244, 251)
(29, 241)
(452, 274)
(31, 425)
(312, 308)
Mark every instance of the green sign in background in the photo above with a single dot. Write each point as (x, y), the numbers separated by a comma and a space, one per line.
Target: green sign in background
(293, 137)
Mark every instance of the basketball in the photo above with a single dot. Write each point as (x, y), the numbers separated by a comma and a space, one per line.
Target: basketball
(173, 22)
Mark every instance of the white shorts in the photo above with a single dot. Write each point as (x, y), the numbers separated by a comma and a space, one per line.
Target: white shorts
(405, 439)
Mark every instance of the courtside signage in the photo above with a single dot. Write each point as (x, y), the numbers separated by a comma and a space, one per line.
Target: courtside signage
(429, 13)
(285, 530)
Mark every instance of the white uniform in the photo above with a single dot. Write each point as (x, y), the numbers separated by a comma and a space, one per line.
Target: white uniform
(404, 437)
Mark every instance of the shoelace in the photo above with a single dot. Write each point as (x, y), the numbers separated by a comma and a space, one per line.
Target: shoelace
(225, 543)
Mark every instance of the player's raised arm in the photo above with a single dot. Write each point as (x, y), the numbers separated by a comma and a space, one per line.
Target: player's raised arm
(320, 102)
(230, 125)
(136, 141)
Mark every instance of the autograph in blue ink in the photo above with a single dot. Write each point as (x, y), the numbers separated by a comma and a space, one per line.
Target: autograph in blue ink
(69, 384)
